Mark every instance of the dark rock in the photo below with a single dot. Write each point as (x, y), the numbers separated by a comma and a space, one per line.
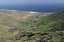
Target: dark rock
(20, 34)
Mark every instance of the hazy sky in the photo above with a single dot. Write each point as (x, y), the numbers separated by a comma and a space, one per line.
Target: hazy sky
(22, 2)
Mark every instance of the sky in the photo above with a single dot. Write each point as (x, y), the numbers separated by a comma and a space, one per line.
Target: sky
(22, 2)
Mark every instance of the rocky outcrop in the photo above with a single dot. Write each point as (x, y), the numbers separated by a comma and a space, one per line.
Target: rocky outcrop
(20, 34)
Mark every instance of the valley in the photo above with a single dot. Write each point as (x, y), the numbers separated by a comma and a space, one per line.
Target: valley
(31, 27)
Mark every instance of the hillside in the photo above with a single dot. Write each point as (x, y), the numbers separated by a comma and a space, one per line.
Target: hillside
(31, 27)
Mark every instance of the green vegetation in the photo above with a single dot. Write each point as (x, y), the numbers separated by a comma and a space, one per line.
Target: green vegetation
(36, 28)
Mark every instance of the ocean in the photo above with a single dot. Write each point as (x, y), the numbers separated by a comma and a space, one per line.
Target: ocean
(35, 8)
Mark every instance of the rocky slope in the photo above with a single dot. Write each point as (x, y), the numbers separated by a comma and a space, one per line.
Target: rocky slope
(18, 26)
